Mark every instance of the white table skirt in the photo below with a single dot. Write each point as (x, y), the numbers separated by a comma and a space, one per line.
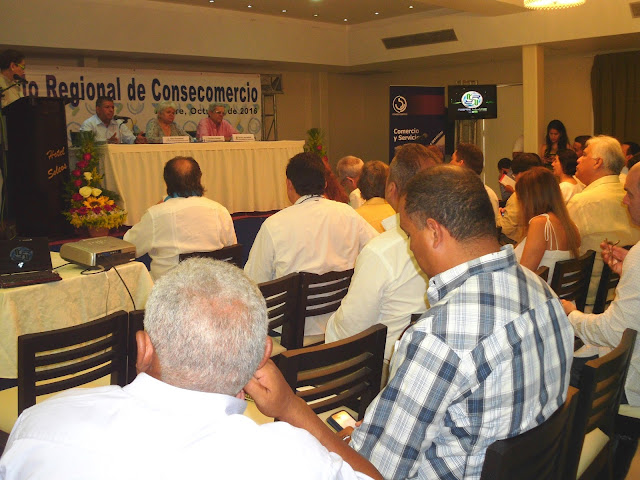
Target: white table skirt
(74, 300)
(243, 176)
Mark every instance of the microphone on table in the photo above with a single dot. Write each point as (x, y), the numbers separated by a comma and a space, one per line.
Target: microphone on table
(19, 79)
(118, 117)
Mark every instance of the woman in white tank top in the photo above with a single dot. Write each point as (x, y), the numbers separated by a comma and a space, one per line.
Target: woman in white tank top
(551, 234)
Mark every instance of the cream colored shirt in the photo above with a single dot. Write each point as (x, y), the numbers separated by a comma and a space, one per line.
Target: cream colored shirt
(510, 221)
(495, 203)
(599, 214)
(374, 211)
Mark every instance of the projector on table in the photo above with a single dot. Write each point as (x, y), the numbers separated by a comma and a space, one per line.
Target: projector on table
(100, 251)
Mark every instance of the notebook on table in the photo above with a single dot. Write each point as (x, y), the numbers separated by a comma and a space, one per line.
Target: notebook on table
(25, 261)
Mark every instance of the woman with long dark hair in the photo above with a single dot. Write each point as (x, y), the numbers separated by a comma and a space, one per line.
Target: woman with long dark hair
(555, 140)
(551, 235)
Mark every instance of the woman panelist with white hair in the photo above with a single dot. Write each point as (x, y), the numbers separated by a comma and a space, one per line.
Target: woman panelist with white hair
(164, 126)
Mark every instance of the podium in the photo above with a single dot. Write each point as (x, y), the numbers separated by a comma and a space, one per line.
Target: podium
(37, 166)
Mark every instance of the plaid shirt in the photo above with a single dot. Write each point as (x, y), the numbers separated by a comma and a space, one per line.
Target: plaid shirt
(488, 361)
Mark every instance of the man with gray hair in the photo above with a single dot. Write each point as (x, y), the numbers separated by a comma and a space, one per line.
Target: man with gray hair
(349, 169)
(205, 342)
(598, 211)
(215, 125)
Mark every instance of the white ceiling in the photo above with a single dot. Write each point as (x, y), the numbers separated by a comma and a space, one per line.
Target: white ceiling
(358, 11)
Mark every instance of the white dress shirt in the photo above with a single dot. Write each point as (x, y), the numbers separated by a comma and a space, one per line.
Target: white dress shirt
(355, 198)
(569, 189)
(598, 213)
(181, 225)
(103, 132)
(314, 235)
(150, 429)
(606, 328)
(387, 287)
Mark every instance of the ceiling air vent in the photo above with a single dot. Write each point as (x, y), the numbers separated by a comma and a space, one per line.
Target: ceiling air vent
(635, 9)
(425, 38)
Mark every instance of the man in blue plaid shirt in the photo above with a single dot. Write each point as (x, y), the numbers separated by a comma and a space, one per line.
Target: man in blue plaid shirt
(489, 360)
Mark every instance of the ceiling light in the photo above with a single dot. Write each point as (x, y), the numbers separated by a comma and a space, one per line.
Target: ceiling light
(551, 4)
(377, 13)
(248, 6)
(410, 6)
(345, 19)
(284, 11)
(212, 1)
(315, 14)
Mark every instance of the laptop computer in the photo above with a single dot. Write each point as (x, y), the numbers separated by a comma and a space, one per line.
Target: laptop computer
(25, 261)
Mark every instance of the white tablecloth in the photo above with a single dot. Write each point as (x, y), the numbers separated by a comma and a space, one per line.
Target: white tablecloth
(74, 300)
(243, 176)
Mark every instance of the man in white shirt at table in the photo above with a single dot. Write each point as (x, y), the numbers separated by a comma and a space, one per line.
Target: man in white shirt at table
(184, 222)
(204, 344)
(315, 234)
(105, 128)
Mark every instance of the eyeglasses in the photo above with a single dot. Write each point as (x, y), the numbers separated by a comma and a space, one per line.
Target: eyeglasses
(21, 65)
(219, 113)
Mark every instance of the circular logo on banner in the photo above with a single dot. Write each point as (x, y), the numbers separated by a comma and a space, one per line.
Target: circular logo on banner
(399, 104)
(21, 255)
(471, 99)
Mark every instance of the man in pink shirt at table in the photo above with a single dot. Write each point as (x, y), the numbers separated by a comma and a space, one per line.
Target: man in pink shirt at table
(215, 124)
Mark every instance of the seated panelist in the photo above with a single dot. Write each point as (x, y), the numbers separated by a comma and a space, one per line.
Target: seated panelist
(164, 125)
(106, 128)
(215, 124)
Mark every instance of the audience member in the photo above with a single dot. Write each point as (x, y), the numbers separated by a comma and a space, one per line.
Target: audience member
(349, 169)
(387, 285)
(105, 128)
(409, 158)
(633, 160)
(204, 343)
(488, 361)
(504, 167)
(551, 236)
(314, 234)
(215, 125)
(555, 140)
(629, 149)
(511, 219)
(12, 65)
(564, 168)
(333, 190)
(164, 125)
(469, 156)
(184, 222)
(598, 211)
(579, 143)
(372, 185)
(437, 151)
(605, 329)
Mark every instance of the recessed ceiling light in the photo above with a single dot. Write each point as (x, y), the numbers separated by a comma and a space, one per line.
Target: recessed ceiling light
(248, 6)
(284, 11)
(410, 6)
(315, 14)
(345, 19)
(377, 13)
(212, 1)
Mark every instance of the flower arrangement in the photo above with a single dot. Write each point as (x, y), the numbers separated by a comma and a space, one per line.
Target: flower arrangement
(90, 205)
(315, 144)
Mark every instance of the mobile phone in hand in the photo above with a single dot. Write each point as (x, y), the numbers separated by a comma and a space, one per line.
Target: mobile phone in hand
(341, 420)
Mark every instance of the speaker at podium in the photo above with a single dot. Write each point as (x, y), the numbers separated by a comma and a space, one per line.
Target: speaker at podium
(37, 166)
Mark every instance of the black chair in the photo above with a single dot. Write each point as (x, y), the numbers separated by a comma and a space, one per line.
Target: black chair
(231, 254)
(538, 453)
(606, 287)
(53, 361)
(571, 278)
(281, 296)
(136, 323)
(346, 372)
(601, 387)
(543, 272)
(319, 295)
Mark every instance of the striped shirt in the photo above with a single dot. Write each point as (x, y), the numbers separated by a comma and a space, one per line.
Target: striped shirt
(489, 360)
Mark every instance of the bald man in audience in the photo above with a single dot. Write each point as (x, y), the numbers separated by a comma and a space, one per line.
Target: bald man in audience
(184, 222)
(349, 169)
(372, 185)
(203, 345)
(314, 234)
(605, 330)
(598, 211)
(510, 219)
(387, 285)
(470, 156)
(489, 360)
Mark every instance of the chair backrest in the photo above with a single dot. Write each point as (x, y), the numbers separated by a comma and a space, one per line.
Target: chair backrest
(571, 278)
(601, 387)
(346, 372)
(53, 361)
(608, 282)
(320, 294)
(535, 454)
(282, 295)
(136, 323)
(231, 254)
(543, 272)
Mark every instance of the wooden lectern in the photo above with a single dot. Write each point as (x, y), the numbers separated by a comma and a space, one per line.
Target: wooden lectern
(37, 166)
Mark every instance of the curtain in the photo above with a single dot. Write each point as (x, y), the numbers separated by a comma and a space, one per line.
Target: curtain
(615, 86)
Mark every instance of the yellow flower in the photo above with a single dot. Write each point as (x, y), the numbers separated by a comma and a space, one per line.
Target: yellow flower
(92, 202)
(85, 191)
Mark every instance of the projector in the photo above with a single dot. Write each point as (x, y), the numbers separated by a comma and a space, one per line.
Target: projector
(101, 251)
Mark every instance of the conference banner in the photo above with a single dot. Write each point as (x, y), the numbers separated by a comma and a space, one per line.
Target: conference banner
(136, 94)
(417, 115)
